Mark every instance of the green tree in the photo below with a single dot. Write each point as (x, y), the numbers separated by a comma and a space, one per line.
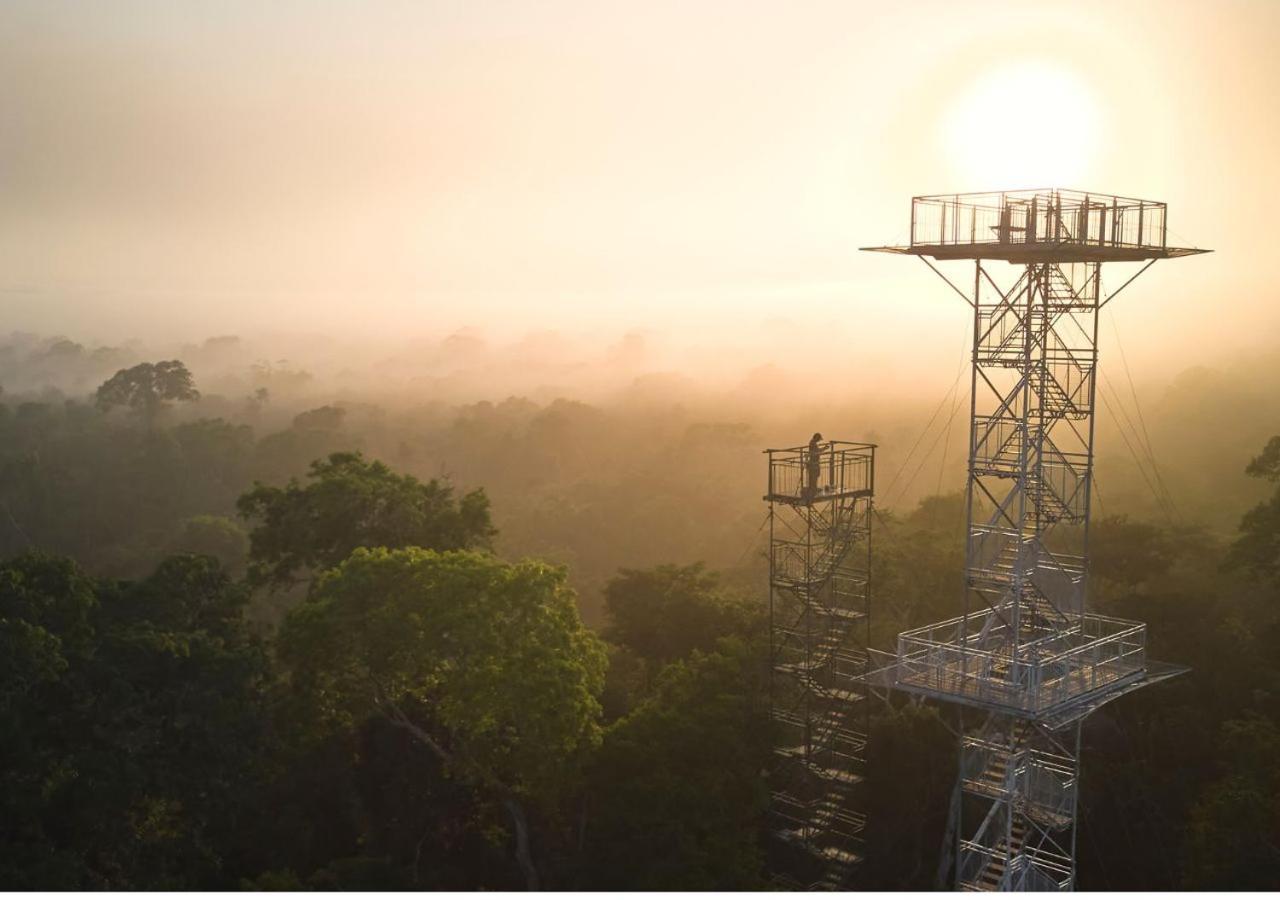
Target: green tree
(1234, 828)
(46, 638)
(487, 665)
(216, 536)
(1258, 547)
(678, 794)
(1129, 554)
(322, 418)
(148, 388)
(351, 502)
(667, 612)
(132, 729)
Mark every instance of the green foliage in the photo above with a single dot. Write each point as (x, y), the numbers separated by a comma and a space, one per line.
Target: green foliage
(323, 418)
(1128, 553)
(115, 499)
(215, 536)
(148, 387)
(488, 660)
(667, 612)
(908, 813)
(917, 566)
(678, 792)
(1266, 464)
(143, 732)
(132, 729)
(1258, 547)
(486, 664)
(349, 503)
(1234, 829)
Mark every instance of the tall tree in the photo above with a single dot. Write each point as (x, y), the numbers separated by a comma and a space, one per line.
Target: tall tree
(352, 502)
(487, 665)
(678, 794)
(148, 388)
(665, 613)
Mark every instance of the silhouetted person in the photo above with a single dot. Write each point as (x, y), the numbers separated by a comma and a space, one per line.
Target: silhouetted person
(813, 466)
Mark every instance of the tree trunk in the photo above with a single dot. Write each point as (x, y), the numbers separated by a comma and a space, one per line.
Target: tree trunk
(514, 810)
(523, 857)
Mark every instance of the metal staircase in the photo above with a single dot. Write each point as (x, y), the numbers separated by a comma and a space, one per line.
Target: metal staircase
(1026, 654)
(820, 504)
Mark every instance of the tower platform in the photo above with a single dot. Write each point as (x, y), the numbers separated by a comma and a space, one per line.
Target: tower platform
(1027, 654)
(1044, 225)
(1053, 674)
(843, 470)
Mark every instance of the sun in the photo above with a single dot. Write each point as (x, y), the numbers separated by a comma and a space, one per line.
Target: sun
(1022, 125)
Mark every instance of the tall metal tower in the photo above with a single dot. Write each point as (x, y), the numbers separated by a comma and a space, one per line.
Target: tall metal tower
(819, 499)
(1026, 658)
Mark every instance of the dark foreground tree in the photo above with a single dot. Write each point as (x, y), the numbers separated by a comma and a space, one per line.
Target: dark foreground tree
(1234, 829)
(486, 665)
(667, 612)
(351, 502)
(678, 790)
(131, 726)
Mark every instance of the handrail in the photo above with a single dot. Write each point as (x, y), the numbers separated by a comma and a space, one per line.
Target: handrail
(1099, 641)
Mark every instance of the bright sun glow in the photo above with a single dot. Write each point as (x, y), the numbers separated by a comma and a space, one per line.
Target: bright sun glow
(1024, 125)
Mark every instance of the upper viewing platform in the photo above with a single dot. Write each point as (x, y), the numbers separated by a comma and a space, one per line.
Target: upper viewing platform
(821, 471)
(1039, 226)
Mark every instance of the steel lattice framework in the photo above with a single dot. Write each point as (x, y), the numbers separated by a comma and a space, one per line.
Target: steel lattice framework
(1026, 657)
(820, 501)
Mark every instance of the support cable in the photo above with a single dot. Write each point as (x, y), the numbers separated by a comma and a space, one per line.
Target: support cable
(946, 445)
(1141, 418)
(924, 432)
(1161, 495)
(752, 541)
(955, 406)
(1137, 460)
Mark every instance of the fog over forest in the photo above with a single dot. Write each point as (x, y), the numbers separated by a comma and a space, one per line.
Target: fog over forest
(384, 389)
(655, 443)
(641, 474)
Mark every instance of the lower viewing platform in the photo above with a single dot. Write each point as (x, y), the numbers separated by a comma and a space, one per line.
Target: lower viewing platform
(1053, 676)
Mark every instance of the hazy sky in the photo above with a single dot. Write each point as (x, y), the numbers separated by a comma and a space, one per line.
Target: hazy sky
(705, 169)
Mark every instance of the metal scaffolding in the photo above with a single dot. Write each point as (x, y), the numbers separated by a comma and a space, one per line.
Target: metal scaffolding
(820, 501)
(1026, 657)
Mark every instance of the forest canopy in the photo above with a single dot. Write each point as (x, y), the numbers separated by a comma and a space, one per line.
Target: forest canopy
(523, 644)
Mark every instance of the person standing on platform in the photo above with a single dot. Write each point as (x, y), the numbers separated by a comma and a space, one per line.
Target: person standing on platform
(813, 466)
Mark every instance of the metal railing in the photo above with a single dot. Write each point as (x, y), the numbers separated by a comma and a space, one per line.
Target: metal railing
(1037, 217)
(987, 667)
(998, 443)
(838, 469)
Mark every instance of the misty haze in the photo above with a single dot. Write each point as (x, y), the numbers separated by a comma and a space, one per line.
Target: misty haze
(385, 392)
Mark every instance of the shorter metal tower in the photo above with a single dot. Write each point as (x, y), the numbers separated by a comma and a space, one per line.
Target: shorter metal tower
(820, 501)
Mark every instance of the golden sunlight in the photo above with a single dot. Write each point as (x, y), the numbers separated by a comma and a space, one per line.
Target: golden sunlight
(1029, 124)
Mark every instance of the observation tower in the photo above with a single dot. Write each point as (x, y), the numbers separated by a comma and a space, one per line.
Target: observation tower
(819, 499)
(1026, 659)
